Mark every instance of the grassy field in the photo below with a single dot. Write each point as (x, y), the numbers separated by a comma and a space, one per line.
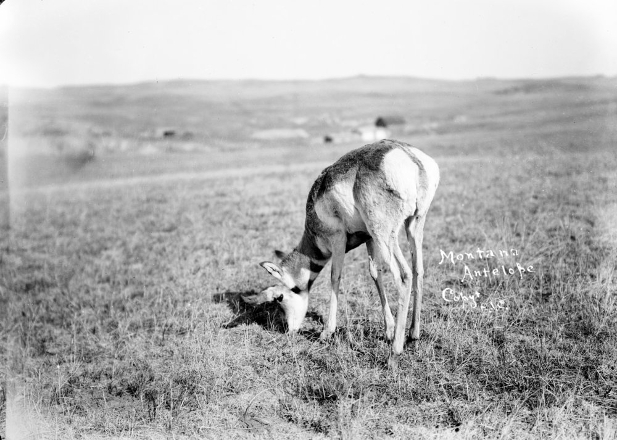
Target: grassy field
(121, 280)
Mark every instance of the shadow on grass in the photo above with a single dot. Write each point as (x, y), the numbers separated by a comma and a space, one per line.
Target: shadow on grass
(264, 315)
(267, 315)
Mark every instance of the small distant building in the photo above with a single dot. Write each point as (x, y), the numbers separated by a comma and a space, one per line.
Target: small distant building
(373, 133)
(388, 121)
(380, 129)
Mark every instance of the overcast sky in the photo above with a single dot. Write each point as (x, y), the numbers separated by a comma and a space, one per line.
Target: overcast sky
(59, 42)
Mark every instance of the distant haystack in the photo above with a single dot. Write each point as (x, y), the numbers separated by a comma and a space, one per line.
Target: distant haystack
(280, 134)
(388, 121)
(165, 132)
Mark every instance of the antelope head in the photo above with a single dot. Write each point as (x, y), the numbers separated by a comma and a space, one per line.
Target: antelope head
(292, 294)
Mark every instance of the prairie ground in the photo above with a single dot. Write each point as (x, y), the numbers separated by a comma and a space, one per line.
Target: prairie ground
(122, 280)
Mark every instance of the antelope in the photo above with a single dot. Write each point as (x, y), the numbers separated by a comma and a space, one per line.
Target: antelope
(366, 196)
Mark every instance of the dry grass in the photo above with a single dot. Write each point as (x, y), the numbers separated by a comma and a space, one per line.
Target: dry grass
(124, 318)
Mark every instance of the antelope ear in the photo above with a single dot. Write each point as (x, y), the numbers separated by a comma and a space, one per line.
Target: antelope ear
(272, 269)
(280, 254)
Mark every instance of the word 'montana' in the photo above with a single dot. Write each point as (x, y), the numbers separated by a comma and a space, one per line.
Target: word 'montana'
(481, 255)
(486, 272)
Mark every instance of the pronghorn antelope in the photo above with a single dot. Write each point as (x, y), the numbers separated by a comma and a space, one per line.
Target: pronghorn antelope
(364, 197)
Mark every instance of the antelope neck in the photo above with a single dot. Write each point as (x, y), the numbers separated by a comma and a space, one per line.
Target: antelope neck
(304, 259)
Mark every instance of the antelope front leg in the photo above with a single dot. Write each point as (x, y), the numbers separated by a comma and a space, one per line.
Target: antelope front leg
(402, 277)
(375, 270)
(338, 257)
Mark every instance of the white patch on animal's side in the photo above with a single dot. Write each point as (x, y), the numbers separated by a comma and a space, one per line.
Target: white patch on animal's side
(401, 173)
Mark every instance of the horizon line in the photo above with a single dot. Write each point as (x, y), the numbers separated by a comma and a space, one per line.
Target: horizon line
(307, 80)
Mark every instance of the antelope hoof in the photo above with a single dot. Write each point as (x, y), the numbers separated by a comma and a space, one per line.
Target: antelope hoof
(326, 334)
(390, 334)
(413, 337)
(393, 361)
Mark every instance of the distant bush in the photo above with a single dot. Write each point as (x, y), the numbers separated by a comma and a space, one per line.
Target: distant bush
(76, 152)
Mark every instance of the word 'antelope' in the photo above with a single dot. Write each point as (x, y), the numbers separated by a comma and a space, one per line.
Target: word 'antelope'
(364, 197)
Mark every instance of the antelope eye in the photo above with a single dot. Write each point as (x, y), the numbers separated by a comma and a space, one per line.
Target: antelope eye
(280, 298)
